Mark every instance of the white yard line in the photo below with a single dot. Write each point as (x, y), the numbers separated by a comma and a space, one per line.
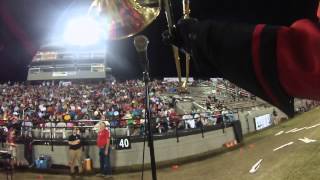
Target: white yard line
(279, 133)
(291, 130)
(298, 130)
(313, 126)
(255, 167)
(288, 144)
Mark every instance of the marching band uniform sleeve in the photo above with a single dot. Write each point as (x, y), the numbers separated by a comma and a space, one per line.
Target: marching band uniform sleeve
(273, 62)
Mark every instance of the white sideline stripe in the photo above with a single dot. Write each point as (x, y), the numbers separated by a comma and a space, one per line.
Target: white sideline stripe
(313, 126)
(255, 167)
(279, 133)
(291, 130)
(298, 129)
(288, 144)
(307, 140)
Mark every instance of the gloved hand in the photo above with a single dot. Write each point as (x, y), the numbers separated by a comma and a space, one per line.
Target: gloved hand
(182, 35)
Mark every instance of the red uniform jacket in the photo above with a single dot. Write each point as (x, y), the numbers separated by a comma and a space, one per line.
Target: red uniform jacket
(275, 63)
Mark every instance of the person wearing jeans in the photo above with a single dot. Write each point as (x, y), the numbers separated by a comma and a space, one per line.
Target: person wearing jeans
(103, 143)
(105, 166)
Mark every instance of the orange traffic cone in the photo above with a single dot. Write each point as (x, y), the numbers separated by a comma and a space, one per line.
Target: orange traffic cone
(175, 167)
(235, 142)
(227, 144)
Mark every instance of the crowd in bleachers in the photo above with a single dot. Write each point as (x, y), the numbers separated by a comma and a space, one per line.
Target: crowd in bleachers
(120, 103)
(58, 102)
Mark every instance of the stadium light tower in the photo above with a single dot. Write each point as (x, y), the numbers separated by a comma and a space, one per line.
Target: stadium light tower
(82, 31)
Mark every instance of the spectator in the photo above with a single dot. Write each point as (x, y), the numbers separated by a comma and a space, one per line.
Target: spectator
(208, 103)
(11, 145)
(75, 151)
(103, 143)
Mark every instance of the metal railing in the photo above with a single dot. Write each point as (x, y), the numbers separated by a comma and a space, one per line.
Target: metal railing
(162, 126)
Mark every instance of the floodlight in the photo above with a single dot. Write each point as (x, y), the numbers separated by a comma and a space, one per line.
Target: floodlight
(82, 31)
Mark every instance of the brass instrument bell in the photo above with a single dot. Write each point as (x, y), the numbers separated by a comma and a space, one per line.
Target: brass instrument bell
(124, 18)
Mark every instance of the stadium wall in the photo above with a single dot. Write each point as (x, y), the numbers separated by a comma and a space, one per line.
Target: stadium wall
(166, 150)
(247, 117)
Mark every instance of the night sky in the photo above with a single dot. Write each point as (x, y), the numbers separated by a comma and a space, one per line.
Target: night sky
(26, 24)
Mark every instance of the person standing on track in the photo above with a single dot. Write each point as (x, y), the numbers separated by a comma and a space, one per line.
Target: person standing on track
(103, 143)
